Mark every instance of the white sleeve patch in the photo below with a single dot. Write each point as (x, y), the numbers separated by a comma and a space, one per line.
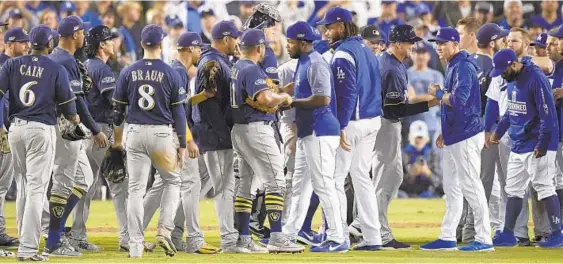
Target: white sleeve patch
(271, 70)
(260, 82)
(108, 80)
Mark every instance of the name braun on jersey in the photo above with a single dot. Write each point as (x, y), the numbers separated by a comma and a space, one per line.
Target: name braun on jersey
(149, 75)
(33, 71)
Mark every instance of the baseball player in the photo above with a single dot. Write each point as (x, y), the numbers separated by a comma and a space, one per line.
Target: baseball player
(462, 139)
(17, 44)
(534, 133)
(374, 38)
(72, 174)
(154, 96)
(254, 104)
(189, 49)
(39, 85)
(318, 138)
(358, 100)
(100, 47)
(554, 50)
(212, 127)
(388, 165)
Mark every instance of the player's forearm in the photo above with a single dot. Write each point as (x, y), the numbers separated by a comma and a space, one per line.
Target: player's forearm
(85, 116)
(491, 114)
(420, 98)
(503, 125)
(404, 110)
(178, 113)
(68, 108)
(118, 136)
(544, 138)
(311, 102)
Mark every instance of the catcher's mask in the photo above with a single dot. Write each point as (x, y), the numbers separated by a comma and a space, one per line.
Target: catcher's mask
(263, 16)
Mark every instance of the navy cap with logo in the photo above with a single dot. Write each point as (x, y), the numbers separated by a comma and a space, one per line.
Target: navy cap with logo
(502, 60)
(68, 6)
(420, 47)
(69, 25)
(336, 14)
(252, 37)
(100, 33)
(301, 30)
(40, 36)
(173, 22)
(371, 33)
(225, 28)
(190, 39)
(15, 13)
(422, 9)
(541, 41)
(152, 35)
(403, 33)
(446, 34)
(15, 34)
(490, 32)
(558, 33)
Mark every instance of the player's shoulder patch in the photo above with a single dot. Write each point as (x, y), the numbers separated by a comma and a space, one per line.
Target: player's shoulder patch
(260, 81)
(109, 79)
(272, 70)
(182, 90)
(392, 95)
(75, 83)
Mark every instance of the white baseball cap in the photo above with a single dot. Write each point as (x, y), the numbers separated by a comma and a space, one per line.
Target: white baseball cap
(418, 129)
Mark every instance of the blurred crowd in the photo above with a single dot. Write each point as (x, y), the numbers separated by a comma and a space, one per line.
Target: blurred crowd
(127, 18)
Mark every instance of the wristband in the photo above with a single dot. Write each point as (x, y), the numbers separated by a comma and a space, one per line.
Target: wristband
(439, 94)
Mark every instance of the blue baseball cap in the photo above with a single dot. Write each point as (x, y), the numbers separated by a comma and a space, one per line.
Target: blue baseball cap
(190, 39)
(253, 37)
(490, 32)
(336, 14)
(152, 35)
(301, 30)
(225, 28)
(558, 33)
(502, 60)
(422, 9)
(173, 22)
(69, 25)
(68, 6)
(40, 36)
(15, 34)
(446, 34)
(15, 13)
(540, 41)
(420, 47)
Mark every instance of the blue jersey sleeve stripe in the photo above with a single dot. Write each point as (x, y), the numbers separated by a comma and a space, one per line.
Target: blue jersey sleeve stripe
(344, 55)
(68, 101)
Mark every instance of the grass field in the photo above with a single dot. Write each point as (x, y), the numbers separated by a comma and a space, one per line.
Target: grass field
(413, 221)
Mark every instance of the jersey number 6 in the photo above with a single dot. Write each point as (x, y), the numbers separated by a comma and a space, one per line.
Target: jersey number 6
(146, 102)
(27, 96)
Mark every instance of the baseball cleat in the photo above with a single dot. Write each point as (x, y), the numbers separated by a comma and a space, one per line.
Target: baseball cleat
(167, 245)
(8, 241)
(179, 243)
(395, 245)
(279, 243)
(505, 239)
(35, 257)
(331, 246)
(363, 246)
(524, 242)
(208, 249)
(248, 243)
(84, 245)
(477, 246)
(235, 249)
(61, 250)
(354, 231)
(7, 254)
(553, 241)
(148, 247)
(310, 238)
(440, 244)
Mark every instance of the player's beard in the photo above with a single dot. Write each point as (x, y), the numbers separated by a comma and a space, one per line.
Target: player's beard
(511, 76)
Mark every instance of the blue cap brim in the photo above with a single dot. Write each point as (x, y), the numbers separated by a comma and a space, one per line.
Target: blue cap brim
(556, 34)
(541, 45)
(496, 72)
(437, 39)
(324, 22)
(504, 33)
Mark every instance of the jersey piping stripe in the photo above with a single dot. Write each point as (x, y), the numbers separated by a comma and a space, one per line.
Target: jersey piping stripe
(117, 101)
(65, 102)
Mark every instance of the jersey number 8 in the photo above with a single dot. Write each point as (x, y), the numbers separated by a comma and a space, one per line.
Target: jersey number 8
(27, 96)
(146, 102)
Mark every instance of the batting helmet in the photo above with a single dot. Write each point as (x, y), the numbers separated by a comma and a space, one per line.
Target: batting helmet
(263, 16)
(95, 36)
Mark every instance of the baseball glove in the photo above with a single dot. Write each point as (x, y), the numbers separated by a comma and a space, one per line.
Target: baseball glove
(272, 85)
(5, 143)
(210, 71)
(72, 132)
(259, 107)
(86, 80)
(113, 165)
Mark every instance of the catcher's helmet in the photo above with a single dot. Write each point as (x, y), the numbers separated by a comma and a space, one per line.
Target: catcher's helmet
(97, 35)
(263, 16)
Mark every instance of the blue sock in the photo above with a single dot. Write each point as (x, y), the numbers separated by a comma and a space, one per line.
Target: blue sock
(274, 208)
(553, 210)
(243, 207)
(57, 206)
(70, 204)
(313, 206)
(513, 208)
(560, 197)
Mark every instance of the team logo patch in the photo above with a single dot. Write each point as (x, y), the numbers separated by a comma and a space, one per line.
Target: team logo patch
(11, 38)
(182, 91)
(393, 95)
(108, 80)
(300, 35)
(58, 211)
(271, 70)
(275, 216)
(260, 82)
(75, 83)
